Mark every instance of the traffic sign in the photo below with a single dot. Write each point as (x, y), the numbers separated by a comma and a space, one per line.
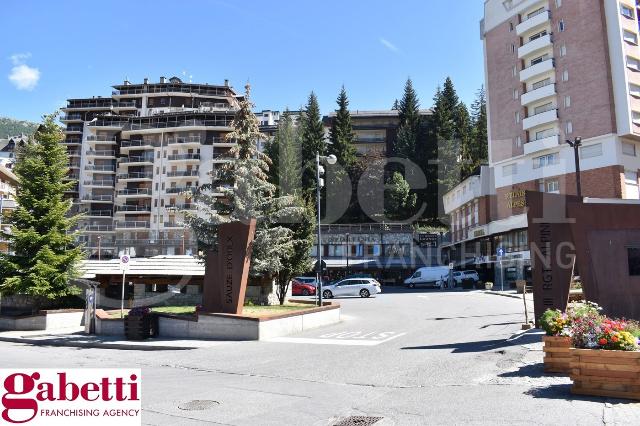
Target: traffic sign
(124, 262)
(500, 251)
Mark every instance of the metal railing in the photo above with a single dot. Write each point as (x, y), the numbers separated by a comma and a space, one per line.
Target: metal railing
(180, 123)
(98, 198)
(173, 88)
(138, 143)
(101, 153)
(98, 213)
(183, 173)
(100, 168)
(69, 117)
(137, 159)
(98, 228)
(186, 206)
(102, 103)
(179, 189)
(133, 208)
(133, 224)
(135, 191)
(183, 139)
(179, 157)
(136, 175)
(99, 182)
(100, 138)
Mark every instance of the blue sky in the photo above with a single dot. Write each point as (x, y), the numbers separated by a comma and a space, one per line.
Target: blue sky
(52, 50)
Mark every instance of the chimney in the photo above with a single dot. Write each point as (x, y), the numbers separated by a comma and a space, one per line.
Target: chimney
(162, 79)
(226, 82)
(146, 80)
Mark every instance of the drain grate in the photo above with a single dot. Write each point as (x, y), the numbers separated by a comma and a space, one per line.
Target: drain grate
(358, 421)
(199, 405)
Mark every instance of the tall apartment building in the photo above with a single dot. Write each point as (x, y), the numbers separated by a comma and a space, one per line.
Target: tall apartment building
(556, 70)
(135, 154)
(8, 183)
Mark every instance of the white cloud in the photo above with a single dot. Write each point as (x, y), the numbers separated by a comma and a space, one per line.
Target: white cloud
(22, 76)
(386, 43)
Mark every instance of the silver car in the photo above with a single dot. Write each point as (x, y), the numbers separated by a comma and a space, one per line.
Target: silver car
(363, 287)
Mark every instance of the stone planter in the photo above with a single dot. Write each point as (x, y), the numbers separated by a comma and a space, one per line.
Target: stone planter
(557, 358)
(613, 374)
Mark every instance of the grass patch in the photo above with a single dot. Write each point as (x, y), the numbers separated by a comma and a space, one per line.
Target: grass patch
(175, 310)
(248, 310)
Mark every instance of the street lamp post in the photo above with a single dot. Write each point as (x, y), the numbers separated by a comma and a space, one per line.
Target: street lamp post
(348, 253)
(331, 159)
(576, 144)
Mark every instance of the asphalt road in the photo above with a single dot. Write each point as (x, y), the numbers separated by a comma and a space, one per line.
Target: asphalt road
(410, 357)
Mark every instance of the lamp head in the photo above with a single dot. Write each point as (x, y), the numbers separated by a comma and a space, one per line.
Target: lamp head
(578, 140)
(332, 159)
(569, 142)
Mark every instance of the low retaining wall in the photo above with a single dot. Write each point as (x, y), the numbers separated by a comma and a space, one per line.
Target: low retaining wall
(229, 327)
(44, 320)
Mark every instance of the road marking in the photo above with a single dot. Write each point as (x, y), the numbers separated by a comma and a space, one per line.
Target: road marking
(346, 338)
(423, 297)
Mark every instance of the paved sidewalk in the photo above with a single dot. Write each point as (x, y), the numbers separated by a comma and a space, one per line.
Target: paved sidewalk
(76, 338)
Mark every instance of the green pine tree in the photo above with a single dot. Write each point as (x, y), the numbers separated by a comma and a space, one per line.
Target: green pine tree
(45, 259)
(312, 143)
(246, 194)
(341, 134)
(399, 201)
(284, 151)
(478, 148)
(464, 133)
(445, 120)
(409, 129)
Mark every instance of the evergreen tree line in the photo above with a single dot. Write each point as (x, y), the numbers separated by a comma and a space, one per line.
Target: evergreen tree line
(437, 150)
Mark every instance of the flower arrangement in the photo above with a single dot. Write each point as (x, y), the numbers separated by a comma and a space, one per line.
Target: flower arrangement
(589, 329)
(139, 311)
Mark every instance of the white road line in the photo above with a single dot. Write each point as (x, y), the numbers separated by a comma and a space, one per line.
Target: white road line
(343, 342)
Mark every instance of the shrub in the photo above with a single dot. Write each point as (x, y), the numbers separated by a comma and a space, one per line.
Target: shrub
(553, 321)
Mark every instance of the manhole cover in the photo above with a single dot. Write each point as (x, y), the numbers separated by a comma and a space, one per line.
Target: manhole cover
(199, 405)
(357, 421)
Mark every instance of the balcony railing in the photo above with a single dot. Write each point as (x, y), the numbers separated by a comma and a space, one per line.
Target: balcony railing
(137, 159)
(179, 189)
(73, 129)
(173, 225)
(100, 138)
(132, 224)
(108, 123)
(136, 175)
(172, 88)
(99, 182)
(138, 143)
(72, 141)
(124, 104)
(100, 168)
(91, 197)
(98, 228)
(101, 153)
(186, 206)
(98, 213)
(135, 191)
(103, 103)
(133, 208)
(183, 140)
(180, 157)
(183, 173)
(71, 117)
(226, 122)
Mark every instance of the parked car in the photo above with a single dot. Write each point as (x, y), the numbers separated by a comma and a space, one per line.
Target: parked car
(301, 289)
(307, 280)
(363, 287)
(458, 276)
(427, 276)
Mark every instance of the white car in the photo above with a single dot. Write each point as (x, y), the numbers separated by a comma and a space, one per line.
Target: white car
(363, 287)
(458, 276)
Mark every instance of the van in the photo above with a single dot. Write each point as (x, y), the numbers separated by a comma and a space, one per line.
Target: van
(427, 276)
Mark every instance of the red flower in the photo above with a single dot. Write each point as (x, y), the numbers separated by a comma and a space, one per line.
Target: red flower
(602, 341)
(614, 339)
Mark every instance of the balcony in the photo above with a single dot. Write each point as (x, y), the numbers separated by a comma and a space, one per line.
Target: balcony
(90, 198)
(111, 140)
(538, 94)
(124, 105)
(180, 189)
(99, 183)
(537, 69)
(71, 117)
(539, 119)
(134, 192)
(535, 46)
(184, 157)
(140, 144)
(185, 140)
(173, 225)
(132, 225)
(108, 124)
(140, 176)
(185, 206)
(137, 160)
(97, 213)
(72, 142)
(73, 129)
(533, 22)
(98, 228)
(103, 153)
(183, 173)
(102, 168)
(133, 208)
(541, 144)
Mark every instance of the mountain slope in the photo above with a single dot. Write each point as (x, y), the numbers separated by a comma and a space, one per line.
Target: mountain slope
(11, 127)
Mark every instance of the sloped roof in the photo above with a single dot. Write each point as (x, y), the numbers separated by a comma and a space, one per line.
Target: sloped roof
(165, 266)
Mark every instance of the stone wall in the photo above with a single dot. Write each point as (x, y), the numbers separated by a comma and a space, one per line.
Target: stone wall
(43, 321)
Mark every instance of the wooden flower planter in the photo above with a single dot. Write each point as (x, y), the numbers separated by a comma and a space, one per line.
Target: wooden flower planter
(557, 358)
(614, 374)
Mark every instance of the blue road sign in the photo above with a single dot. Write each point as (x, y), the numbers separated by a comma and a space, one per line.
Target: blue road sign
(500, 251)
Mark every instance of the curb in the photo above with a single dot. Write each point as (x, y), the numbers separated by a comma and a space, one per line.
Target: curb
(94, 345)
(497, 293)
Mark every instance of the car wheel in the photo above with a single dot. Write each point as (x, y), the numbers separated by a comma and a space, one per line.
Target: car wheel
(327, 294)
(364, 293)
(305, 292)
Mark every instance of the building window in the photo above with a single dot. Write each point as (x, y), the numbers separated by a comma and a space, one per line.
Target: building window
(563, 50)
(515, 70)
(545, 160)
(543, 108)
(541, 83)
(561, 25)
(633, 256)
(509, 169)
(629, 149)
(565, 75)
(513, 48)
(569, 128)
(552, 186)
(515, 94)
(630, 37)
(591, 151)
(567, 101)
(634, 90)
(539, 59)
(535, 13)
(541, 134)
(518, 141)
(627, 11)
(633, 63)
(510, 26)
(538, 35)
(558, 3)
(631, 185)
(517, 116)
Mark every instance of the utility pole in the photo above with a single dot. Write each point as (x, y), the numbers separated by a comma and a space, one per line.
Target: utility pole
(331, 159)
(576, 144)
